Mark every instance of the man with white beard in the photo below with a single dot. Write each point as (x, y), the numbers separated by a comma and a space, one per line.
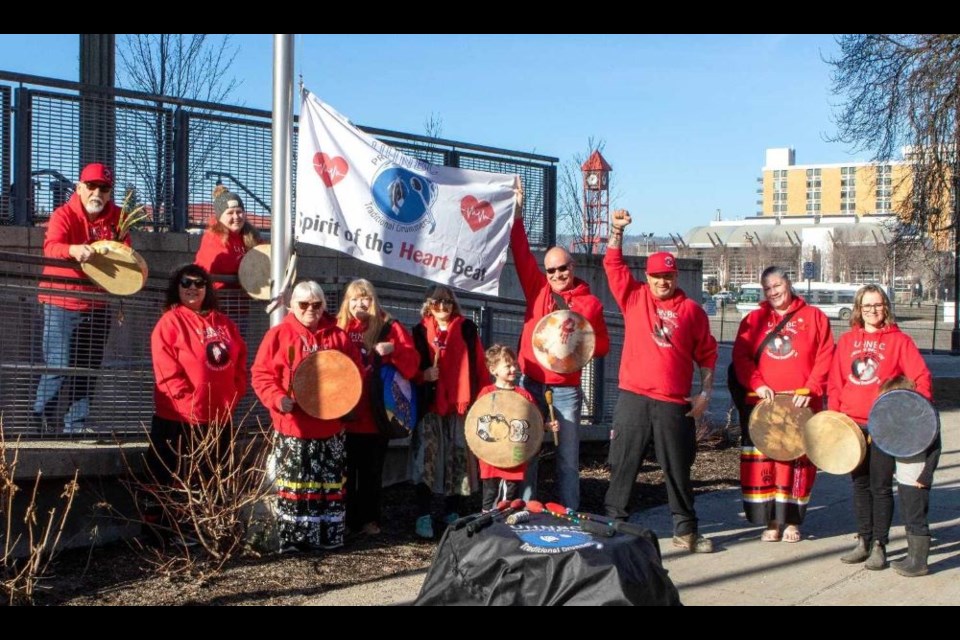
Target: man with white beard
(75, 323)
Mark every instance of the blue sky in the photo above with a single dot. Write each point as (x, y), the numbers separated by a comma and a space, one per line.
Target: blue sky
(686, 118)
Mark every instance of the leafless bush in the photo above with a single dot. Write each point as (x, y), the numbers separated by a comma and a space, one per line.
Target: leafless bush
(25, 557)
(201, 507)
(715, 435)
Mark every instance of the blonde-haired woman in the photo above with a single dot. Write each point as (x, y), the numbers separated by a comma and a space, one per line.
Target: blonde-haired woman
(453, 370)
(380, 339)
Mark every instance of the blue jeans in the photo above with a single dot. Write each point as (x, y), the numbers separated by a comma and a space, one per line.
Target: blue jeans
(71, 339)
(567, 408)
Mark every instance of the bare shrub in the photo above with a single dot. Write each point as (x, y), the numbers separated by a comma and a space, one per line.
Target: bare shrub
(201, 497)
(25, 557)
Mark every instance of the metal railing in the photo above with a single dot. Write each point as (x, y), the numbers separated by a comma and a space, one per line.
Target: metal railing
(122, 387)
(171, 153)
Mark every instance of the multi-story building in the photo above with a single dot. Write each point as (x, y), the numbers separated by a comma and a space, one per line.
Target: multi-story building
(846, 188)
(841, 217)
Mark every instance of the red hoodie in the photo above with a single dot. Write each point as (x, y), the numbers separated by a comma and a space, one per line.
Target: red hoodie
(404, 357)
(272, 372)
(798, 357)
(662, 338)
(221, 256)
(864, 361)
(199, 364)
(69, 225)
(540, 302)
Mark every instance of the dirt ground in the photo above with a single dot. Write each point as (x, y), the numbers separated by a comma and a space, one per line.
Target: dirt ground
(115, 575)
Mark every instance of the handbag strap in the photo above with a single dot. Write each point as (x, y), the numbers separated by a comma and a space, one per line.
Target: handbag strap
(770, 336)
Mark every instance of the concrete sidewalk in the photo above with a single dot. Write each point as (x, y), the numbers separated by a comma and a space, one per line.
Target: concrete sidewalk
(746, 571)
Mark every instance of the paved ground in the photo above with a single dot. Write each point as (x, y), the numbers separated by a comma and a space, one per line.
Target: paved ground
(745, 570)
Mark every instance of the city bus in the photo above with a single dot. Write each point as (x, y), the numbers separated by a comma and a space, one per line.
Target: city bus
(835, 299)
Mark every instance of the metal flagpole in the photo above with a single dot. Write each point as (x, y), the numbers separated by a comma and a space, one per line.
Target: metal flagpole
(281, 219)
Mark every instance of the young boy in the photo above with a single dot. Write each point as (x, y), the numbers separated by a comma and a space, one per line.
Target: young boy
(504, 484)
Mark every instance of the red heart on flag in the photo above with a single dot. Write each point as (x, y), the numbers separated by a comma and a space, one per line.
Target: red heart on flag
(477, 213)
(331, 170)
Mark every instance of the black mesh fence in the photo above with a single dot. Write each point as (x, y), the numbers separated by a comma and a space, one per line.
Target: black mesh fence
(169, 154)
(83, 394)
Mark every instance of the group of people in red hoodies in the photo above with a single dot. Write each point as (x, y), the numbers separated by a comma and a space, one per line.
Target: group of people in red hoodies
(329, 472)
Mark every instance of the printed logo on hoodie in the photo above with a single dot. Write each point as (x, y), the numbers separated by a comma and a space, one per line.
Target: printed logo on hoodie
(865, 361)
(666, 327)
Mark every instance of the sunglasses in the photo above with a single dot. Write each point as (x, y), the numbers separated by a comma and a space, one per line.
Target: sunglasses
(188, 283)
(316, 306)
(443, 302)
(562, 269)
(96, 186)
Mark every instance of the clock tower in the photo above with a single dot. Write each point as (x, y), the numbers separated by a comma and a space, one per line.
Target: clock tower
(596, 204)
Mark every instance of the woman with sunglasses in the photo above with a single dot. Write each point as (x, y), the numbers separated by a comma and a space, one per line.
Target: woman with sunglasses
(452, 372)
(229, 236)
(310, 452)
(375, 333)
(871, 353)
(200, 371)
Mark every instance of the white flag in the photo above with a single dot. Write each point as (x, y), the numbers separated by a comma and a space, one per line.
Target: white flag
(364, 198)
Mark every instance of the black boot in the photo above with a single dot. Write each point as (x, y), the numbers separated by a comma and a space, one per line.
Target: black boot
(878, 557)
(915, 564)
(860, 553)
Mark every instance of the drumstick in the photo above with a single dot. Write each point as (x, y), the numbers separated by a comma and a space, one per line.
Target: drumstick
(803, 391)
(291, 356)
(102, 250)
(548, 395)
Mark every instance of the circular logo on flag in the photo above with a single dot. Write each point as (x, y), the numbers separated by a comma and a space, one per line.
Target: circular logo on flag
(402, 195)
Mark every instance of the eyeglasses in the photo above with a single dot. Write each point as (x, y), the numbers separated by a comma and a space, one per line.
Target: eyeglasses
(563, 268)
(96, 186)
(194, 283)
(442, 302)
(316, 306)
(872, 307)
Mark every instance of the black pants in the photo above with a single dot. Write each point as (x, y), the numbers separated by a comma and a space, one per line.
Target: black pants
(172, 447)
(425, 500)
(365, 456)
(496, 490)
(873, 495)
(636, 420)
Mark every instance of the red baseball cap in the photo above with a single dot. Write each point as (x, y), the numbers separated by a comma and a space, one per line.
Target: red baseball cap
(661, 262)
(96, 172)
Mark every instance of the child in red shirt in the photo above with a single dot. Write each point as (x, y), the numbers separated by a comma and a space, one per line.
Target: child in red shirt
(504, 484)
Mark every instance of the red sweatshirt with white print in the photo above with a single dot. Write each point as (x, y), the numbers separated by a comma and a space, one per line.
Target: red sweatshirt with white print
(404, 357)
(70, 225)
(541, 301)
(199, 366)
(221, 256)
(798, 357)
(662, 338)
(272, 372)
(863, 361)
